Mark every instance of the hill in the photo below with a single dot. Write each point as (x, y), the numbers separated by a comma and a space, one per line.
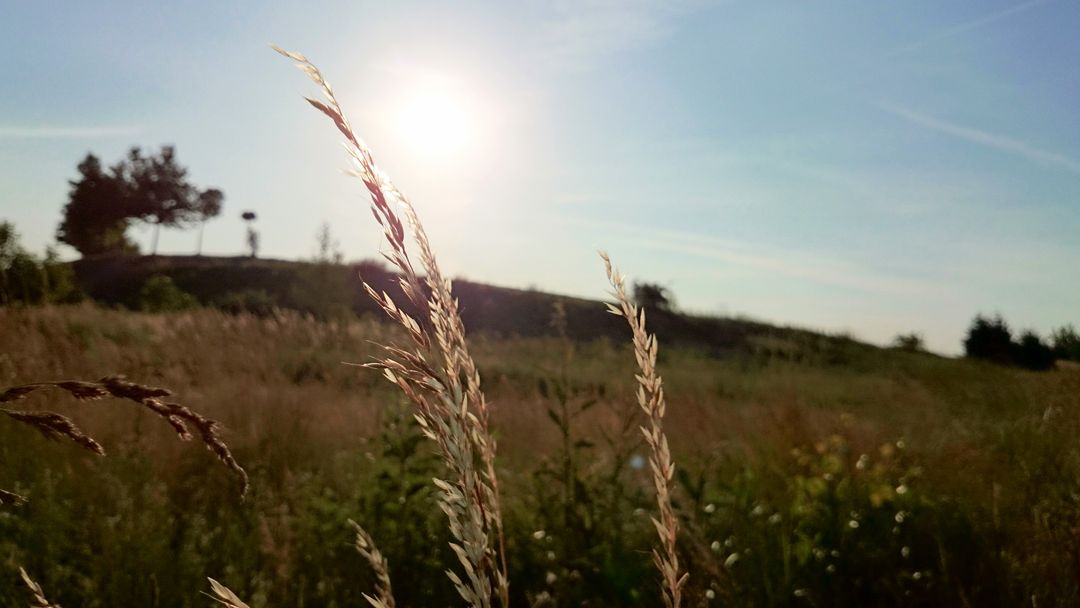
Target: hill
(323, 290)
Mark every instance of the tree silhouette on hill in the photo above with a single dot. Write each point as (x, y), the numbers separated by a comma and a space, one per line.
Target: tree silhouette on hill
(150, 188)
(989, 339)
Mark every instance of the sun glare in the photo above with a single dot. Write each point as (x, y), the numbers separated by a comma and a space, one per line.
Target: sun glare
(437, 123)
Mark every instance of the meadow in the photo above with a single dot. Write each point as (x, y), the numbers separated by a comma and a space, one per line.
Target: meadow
(810, 470)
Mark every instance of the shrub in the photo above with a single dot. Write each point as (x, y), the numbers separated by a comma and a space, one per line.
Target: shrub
(912, 342)
(27, 279)
(160, 294)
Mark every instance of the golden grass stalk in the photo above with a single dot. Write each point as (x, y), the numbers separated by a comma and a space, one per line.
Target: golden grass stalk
(38, 594)
(650, 397)
(437, 373)
(365, 545)
(224, 596)
(57, 426)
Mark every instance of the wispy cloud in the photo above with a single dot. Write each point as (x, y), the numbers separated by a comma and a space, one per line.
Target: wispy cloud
(585, 31)
(51, 132)
(787, 263)
(967, 26)
(986, 138)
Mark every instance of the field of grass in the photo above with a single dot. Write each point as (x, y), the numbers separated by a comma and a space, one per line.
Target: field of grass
(811, 471)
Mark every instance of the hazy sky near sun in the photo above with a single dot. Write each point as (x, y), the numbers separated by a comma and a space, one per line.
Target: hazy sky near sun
(864, 166)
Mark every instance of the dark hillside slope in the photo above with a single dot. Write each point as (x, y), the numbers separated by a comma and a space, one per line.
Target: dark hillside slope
(316, 288)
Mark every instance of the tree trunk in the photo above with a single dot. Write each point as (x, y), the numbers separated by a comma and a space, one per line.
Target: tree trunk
(157, 230)
(202, 227)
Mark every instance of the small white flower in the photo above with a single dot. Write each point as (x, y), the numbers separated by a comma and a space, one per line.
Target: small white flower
(551, 578)
(853, 524)
(917, 575)
(539, 534)
(899, 517)
(800, 593)
(905, 551)
(551, 556)
(731, 559)
(715, 546)
(710, 508)
(710, 594)
(774, 518)
(901, 489)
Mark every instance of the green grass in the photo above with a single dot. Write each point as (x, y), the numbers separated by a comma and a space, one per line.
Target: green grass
(780, 445)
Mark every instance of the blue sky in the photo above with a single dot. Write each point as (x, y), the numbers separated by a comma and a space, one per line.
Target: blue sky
(849, 166)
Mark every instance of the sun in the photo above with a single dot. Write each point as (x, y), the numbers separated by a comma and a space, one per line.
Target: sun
(437, 123)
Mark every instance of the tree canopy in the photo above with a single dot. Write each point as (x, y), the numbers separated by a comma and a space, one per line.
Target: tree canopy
(151, 188)
(991, 339)
(98, 212)
(652, 295)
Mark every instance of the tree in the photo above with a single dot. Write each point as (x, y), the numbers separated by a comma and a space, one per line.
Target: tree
(651, 295)
(150, 188)
(989, 339)
(1032, 353)
(162, 196)
(329, 249)
(209, 205)
(252, 236)
(1066, 342)
(98, 210)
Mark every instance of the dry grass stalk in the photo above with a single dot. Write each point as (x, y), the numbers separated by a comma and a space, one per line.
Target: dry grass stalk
(56, 426)
(365, 545)
(436, 373)
(11, 498)
(38, 599)
(224, 596)
(650, 396)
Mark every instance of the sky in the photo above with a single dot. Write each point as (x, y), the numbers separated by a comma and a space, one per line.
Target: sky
(863, 167)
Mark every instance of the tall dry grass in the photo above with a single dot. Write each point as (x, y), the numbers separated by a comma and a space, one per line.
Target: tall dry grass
(651, 399)
(56, 427)
(440, 378)
(436, 373)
